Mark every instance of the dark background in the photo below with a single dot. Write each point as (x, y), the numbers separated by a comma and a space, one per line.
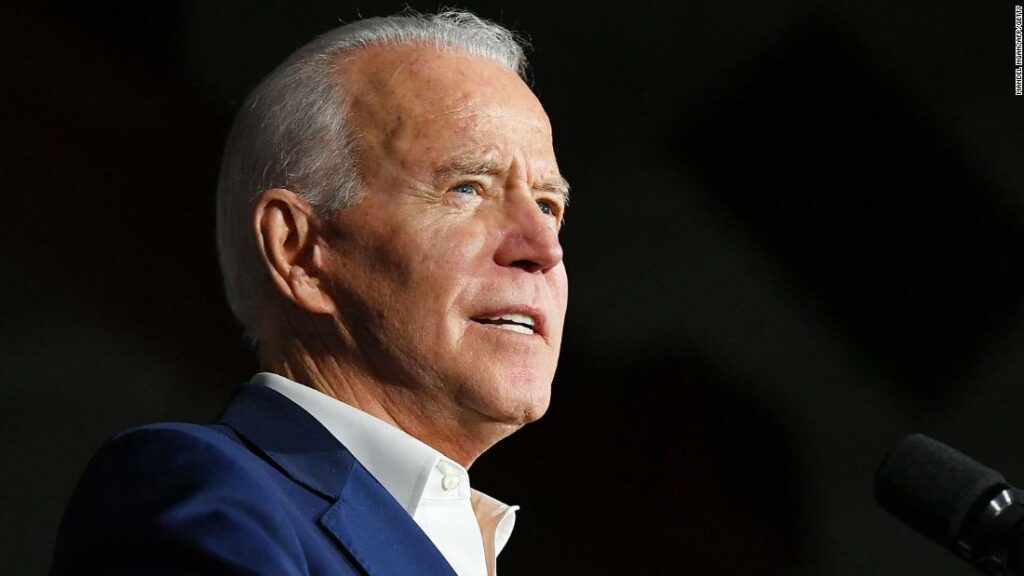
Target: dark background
(796, 234)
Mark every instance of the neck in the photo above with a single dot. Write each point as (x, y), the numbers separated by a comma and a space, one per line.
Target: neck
(424, 414)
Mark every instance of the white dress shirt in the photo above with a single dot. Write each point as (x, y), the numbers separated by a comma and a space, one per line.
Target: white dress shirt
(468, 527)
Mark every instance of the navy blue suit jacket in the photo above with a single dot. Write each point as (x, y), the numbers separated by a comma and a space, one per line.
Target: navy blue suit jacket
(265, 490)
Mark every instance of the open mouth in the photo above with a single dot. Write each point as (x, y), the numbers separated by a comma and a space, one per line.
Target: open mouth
(513, 322)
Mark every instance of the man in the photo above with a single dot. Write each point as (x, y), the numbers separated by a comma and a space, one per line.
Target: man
(388, 217)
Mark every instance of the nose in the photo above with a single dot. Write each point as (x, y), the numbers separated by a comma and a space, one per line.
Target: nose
(529, 238)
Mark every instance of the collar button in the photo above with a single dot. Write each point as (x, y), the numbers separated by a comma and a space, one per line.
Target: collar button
(450, 482)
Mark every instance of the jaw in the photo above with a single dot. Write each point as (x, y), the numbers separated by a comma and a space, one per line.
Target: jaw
(510, 377)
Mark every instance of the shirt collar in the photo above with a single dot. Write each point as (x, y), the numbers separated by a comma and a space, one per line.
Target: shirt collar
(405, 466)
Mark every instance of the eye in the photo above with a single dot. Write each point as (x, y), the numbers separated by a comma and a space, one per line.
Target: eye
(547, 207)
(466, 188)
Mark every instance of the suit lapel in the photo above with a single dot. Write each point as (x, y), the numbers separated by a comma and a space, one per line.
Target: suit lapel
(287, 435)
(364, 519)
(378, 531)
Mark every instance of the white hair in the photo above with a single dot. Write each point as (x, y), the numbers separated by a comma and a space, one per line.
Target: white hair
(291, 132)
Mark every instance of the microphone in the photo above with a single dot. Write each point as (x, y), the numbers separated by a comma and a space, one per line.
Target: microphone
(960, 504)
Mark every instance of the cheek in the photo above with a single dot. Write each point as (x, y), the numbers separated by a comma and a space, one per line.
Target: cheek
(560, 288)
(369, 273)
(455, 256)
(418, 268)
(466, 251)
(561, 283)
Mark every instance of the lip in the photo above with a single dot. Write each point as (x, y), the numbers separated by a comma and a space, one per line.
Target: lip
(539, 324)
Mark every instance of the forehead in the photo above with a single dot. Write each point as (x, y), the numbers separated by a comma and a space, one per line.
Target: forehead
(424, 97)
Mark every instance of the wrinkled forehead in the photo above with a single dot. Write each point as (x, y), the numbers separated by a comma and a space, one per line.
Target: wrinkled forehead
(420, 89)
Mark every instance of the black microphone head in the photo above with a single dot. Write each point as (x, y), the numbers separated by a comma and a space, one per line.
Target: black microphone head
(932, 487)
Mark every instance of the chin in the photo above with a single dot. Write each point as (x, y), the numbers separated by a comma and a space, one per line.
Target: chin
(514, 401)
(528, 412)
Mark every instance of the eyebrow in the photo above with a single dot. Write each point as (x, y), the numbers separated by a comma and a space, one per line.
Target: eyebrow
(558, 186)
(488, 167)
(465, 167)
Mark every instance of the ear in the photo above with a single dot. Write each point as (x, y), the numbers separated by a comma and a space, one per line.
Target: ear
(286, 235)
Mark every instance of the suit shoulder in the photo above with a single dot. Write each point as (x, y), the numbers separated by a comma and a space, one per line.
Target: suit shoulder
(174, 492)
(174, 433)
(181, 435)
(158, 463)
(169, 448)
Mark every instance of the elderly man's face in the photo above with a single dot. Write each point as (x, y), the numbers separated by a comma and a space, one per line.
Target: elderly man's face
(448, 276)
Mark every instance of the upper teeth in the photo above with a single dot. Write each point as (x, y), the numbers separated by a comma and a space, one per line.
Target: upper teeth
(517, 318)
